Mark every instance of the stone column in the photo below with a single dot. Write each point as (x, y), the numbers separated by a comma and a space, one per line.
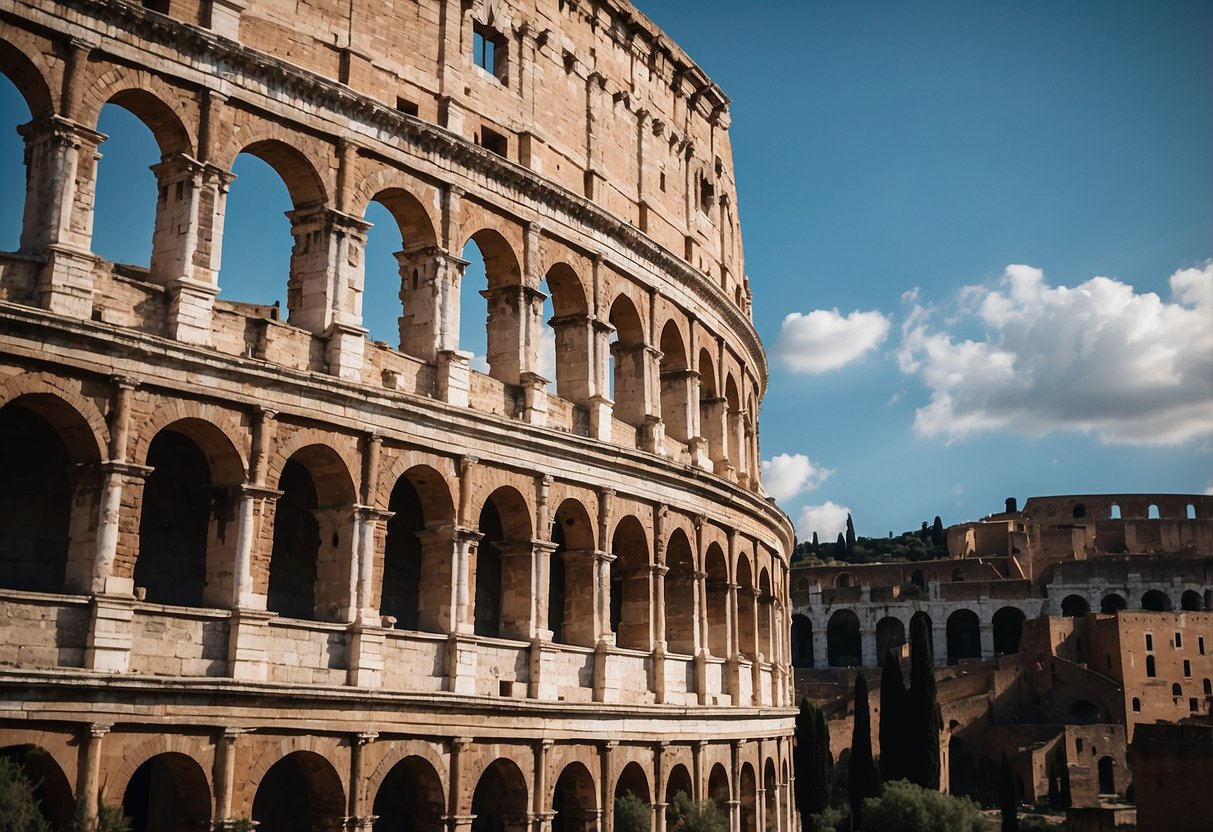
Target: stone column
(512, 350)
(939, 643)
(459, 747)
(735, 786)
(987, 639)
(582, 611)
(440, 553)
(575, 348)
(700, 786)
(61, 160)
(713, 413)
(821, 647)
(541, 810)
(659, 784)
(602, 593)
(867, 641)
(88, 779)
(602, 405)
(429, 292)
(366, 629)
(225, 775)
(604, 777)
(359, 817)
(736, 450)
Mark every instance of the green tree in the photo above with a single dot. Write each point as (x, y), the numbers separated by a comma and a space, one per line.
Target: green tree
(632, 814)
(850, 540)
(922, 712)
(906, 807)
(893, 721)
(840, 547)
(938, 537)
(1008, 806)
(811, 760)
(686, 815)
(864, 781)
(815, 547)
(20, 810)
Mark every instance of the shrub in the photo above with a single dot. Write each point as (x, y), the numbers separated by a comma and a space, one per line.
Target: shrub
(905, 807)
(686, 815)
(19, 810)
(631, 814)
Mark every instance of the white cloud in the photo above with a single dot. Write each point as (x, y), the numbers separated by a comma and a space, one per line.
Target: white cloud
(824, 340)
(827, 520)
(1099, 358)
(786, 475)
(479, 363)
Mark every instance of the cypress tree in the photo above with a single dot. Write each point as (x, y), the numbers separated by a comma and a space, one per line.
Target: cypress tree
(924, 720)
(810, 758)
(815, 547)
(863, 781)
(938, 537)
(840, 546)
(893, 722)
(1007, 804)
(823, 763)
(850, 535)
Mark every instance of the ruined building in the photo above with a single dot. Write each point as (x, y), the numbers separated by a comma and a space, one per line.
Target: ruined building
(254, 564)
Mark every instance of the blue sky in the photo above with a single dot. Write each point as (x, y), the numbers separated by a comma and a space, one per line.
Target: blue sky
(932, 189)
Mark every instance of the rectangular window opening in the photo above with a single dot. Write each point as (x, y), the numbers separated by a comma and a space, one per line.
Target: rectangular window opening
(1149, 642)
(489, 51)
(1179, 640)
(494, 142)
(409, 108)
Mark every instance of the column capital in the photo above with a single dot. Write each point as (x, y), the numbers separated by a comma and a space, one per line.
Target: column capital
(366, 737)
(99, 729)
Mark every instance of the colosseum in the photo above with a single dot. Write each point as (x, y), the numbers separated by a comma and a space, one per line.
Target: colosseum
(257, 565)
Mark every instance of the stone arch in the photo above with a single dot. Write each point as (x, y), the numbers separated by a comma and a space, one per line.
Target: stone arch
(1107, 775)
(890, 635)
(679, 780)
(574, 799)
(168, 791)
(712, 414)
(413, 219)
(1190, 601)
(802, 641)
(1155, 600)
(719, 790)
(680, 613)
(51, 787)
(410, 797)
(188, 515)
(571, 334)
(964, 636)
(150, 99)
(49, 489)
(1113, 602)
(1074, 606)
(628, 354)
(765, 599)
(747, 608)
(500, 799)
(334, 455)
(312, 552)
(277, 148)
(770, 786)
(503, 566)
(568, 291)
(843, 642)
(571, 575)
(843, 580)
(78, 421)
(29, 75)
(633, 778)
(416, 555)
(301, 791)
(216, 431)
(716, 584)
(676, 386)
(504, 324)
(1008, 629)
(747, 796)
(631, 592)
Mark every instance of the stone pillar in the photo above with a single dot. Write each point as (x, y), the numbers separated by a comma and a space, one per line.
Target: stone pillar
(659, 783)
(359, 816)
(605, 752)
(61, 161)
(459, 748)
(466, 541)
(514, 311)
(366, 630)
(867, 641)
(88, 778)
(678, 402)
(225, 776)
(575, 348)
(736, 449)
(700, 785)
(939, 643)
(602, 594)
(987, 639)
(541, 810)
(714, 413)
(325, 286)
(582, 611)
(429, 292)
(735, 786)
(821, 647)
(602, 405)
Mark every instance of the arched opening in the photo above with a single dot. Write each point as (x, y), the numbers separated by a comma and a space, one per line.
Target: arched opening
(842, 580)
(748, 798)
(1080, 510)
(630, 588)
(1107, 775)
(503, 566)
(843, 642)
(918, 579)
(679, 782)
(565, 347)
(1176, 690)
(169, 792)
(717, 586)
(675, 384)
(890, 635)
(964, 636)
(1008, 630)
(1190, 511)
(719, 791)
(492, 328)
(1155, 600)
(1190, 601)
(574, 800)
(402, 557)
(274, 217)
(410, 799)
(747, 607)
(1115, 513)
(711, 408)
(680, 594)
(300, 793)
(628, 354)
(1152, 512)
(1136, 705)
(770, 789)
(764, 599)
(632, 781)
(187, 522)
(50, 786)
(735, 436)
(14, 111)
(1113, 602)
(1074, 606)
(802, 585)
(47, 518)
(400, 273)
(802, 641)
(571, 576)
(313, 537)
(1085, 712)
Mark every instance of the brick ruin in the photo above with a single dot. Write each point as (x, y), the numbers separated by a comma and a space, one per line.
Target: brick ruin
(254, 564)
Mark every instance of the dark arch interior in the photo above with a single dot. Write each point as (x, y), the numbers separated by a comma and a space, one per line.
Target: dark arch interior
(410, 799)
(679, 782)
(1113, 603)
(1190, 601)
(749, 798)
(844, 644)
(802, 641)
(488, 572)
(573, 800)
(890, 635)
(168, 793)
(35, 502)
(632, 781)
(300, 793)
(964, 636)
(51, 788)
(500, 800)
(293, 562)
(718, 787)
(1008, 630)
(173, 526)
(1074, 606)
(1155, 600)
(402, 557)
(630, 585)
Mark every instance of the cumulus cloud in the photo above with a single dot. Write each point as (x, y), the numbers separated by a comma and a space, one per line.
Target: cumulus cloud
(786, 475)
(1098, 358)
(827, 520)
(825, 340)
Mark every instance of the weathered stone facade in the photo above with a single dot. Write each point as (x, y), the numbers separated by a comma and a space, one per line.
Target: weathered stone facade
(270, 566)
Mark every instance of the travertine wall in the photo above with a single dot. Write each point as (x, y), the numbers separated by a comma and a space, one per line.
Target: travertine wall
(293, 555)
